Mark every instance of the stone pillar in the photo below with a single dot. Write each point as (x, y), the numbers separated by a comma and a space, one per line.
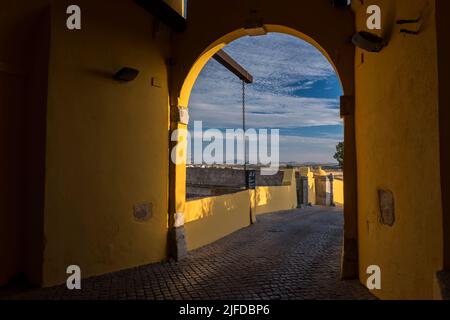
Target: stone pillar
(177, 182)
(298, 188)
(305, 176)
(322, 190)
(331, 193)
(350, 263)
(305, 191)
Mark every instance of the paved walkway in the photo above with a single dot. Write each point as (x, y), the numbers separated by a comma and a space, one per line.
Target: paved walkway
(286, 255)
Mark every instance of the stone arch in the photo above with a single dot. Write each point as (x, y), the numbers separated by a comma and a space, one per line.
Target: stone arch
(310, 21)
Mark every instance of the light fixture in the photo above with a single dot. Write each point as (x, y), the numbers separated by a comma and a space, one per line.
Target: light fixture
(368, 41)
(411, 22)
(126, 74)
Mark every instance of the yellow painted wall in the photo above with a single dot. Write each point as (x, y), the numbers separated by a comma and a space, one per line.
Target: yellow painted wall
(338, 192)
(273, 199)
(278, 198)
(106, 145)
(398, 149)
(209, 219)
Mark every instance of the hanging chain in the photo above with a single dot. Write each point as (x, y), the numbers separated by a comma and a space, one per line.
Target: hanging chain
(243, 105)
(244, 128)
(244, 124)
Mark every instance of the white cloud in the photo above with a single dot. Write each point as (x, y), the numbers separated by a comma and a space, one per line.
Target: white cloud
(280, 65)
(293, 148)
(268, 111)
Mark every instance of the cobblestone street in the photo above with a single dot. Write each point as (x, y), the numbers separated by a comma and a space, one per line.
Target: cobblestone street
(286, 255)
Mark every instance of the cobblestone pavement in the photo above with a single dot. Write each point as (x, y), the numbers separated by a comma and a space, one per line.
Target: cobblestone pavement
(286, 255)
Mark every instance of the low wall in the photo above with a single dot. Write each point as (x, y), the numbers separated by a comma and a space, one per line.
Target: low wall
(338, 192)
(227, 177)
(212, 218)
(209, 219)
(273, 199)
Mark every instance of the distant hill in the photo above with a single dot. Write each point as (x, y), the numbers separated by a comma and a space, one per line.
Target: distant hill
(312, 164)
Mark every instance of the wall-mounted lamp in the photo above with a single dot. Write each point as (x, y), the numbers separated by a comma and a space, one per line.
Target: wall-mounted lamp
(126, 74)
(341, 3)
(368, 41)
(411, 22)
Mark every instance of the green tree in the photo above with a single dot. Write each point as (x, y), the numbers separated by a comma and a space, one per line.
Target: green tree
(339, 155)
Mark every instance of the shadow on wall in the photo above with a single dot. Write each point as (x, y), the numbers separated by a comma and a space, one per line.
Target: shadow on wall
(277, 198)
(209, 219)
(206, 207)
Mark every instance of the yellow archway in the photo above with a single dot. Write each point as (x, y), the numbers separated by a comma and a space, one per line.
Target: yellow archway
(205, 36)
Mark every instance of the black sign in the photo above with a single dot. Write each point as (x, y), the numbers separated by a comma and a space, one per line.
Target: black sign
(250, 179)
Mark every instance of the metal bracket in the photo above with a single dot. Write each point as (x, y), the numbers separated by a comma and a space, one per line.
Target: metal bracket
(165, 13)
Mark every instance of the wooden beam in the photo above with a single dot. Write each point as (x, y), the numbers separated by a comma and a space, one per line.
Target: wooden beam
(165, 13)
(228, 62)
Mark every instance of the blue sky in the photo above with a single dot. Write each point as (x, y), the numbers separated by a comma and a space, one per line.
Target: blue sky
(295, 90)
